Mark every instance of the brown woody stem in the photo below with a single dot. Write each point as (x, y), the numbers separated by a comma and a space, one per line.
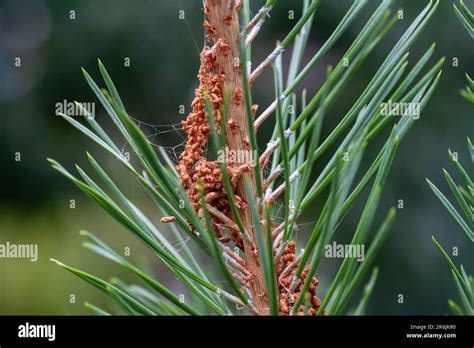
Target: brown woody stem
(225, 24)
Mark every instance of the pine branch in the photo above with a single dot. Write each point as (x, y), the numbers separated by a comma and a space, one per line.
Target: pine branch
(220, 204)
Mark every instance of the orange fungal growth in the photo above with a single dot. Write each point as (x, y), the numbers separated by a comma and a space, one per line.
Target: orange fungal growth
(286, 269)
(193, 168)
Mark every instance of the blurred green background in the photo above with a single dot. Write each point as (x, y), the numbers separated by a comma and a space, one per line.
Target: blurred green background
(163, 52)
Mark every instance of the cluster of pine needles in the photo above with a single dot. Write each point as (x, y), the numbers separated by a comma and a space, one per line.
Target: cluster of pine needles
(290, 178)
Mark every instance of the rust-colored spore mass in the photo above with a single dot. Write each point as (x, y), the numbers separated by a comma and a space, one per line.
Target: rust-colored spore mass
(168, 219)
(194, 170)
(286, 299)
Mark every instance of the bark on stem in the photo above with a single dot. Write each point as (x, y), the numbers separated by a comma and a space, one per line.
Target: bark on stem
(222, 15)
